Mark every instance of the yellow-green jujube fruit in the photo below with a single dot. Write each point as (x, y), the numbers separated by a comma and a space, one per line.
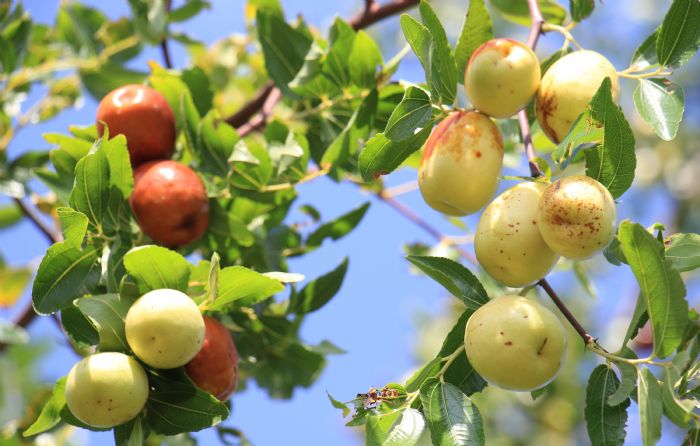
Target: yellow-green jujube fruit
(567, 87)
(461, 162)
(508, 243)
(502, 76)
(165, 328)
(106, 389)
(576, 217)
(515, 343)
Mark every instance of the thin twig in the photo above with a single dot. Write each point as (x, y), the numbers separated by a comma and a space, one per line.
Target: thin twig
(587, 339)
(536, 25)
(51, 235)
(252, 107)
(164, 43)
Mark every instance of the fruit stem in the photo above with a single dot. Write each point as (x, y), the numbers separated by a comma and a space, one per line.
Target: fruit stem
(164, 42)
(449, 360)
(564, 31)
(587, 339)
(658, 72)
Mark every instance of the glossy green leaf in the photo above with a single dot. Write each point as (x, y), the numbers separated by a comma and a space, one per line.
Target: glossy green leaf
(64, 274)
(683, 251)
(613, 162)
(50, 414)
(10, 215)
(337, 228)
(451, 416)
(364, 60)
(639, 318)
(457, 279)
(78, 326)
(155, 267)
(650, 406)
(239, 286)
(414, 112)
(581, 9)
(660, 103)
(319, 291)
(628, 375)
(519, 13)
(382, 155)
(645, 55)
(443, 70)
(190, 9)
(660, 284)
(90, 194)
(74, 225)
(175, 405)
(338, 405)
(399, 428)
(605, 423)
(680, 412)
(107, 312)
(476, 30)
(420, 40)
(217, 140)
(679, 35)
(131, 433)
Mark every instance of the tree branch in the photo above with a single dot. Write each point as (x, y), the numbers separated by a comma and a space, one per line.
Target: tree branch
(245, 119)
(164, 43)
(587, 339)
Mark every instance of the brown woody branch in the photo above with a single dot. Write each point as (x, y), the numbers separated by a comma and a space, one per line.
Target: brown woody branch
(164, 43)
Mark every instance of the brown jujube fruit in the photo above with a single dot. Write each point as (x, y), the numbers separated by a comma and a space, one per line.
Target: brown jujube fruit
(142, 115)
(170, 203)
(215, 368)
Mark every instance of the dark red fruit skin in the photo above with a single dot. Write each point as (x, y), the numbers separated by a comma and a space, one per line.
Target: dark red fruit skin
(142, 115)
(170, 203)
(215, 368)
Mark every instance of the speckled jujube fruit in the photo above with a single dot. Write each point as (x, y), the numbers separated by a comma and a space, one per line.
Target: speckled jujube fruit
(502, 77)
(170, 203)
(106, 389)
(508, 243)
(215, 368)
(164, 328)
(142, 115)
(461, 162)
(576, 217)
(515, 343)
(567, 87)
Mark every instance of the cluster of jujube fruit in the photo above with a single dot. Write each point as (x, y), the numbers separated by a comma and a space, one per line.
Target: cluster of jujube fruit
(164, 328)
(523, 232)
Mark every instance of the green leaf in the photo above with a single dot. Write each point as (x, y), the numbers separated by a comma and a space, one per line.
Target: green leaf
(382, 155)
(338, 405)
(10, 215)
(50, 414)
(284, 48)
(318, 292)
(613, 162)
(660, 103)
(12, 334)
(683, 251)
(661, 286)
(645, 55)
(74, 225)
(13, 281)
(638, 320)
(451, 416)
(476, 30)
(175, 405)
(200, 87)
(443, 70)
(650, 406)
(677, 410)
(605, 423)
(338, 228)
(190, 9)
(457, 279)
(242, 287)
(414, 111)
(65, 273)
(427, 371)
(155, 267)
(399, 428)
(679, 35)
(420, 40)
(109, 76)
(628, 373)
(130, 433)
(336, 68)
(217, 141)
(365, 56)
(107, 313)
(78, 326)
(519, 13)
(150, 19)
(581, 9)
(90, 195)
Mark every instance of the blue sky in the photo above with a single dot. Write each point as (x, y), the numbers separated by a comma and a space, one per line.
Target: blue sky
(373, 317)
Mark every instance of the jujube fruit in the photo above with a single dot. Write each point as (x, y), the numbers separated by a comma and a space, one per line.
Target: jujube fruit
(567, 88)
(106, 389)
(142, 115)
(502, 77)
(576, 217)
(508, 243)
(170, 203)
(461, 161)
(515, 343)
(164, 328)
(215, 368)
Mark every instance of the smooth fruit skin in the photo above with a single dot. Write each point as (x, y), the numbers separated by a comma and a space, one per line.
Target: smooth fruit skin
(142, 115)
(461, 162)
(215, 368)
(106, 389)
(170, 203)
(576, 217)
(567, 88)
(502, 77)
(515, 343)
(164, 328)
(508, 243)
